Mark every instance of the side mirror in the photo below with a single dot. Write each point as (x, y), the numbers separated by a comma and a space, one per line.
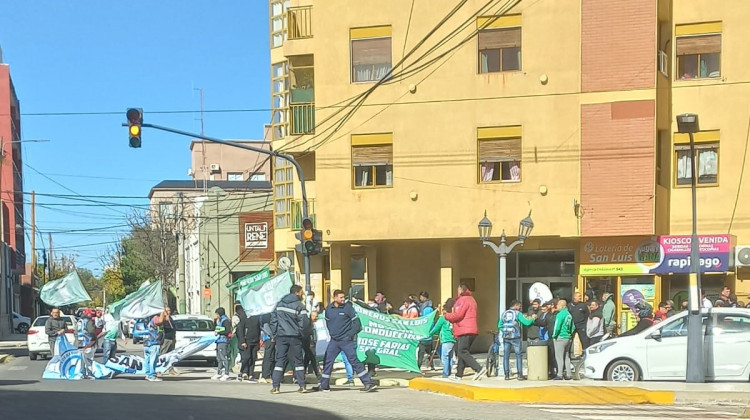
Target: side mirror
(656, 335)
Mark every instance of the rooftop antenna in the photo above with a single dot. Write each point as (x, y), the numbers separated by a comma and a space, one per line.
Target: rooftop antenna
(204, 168)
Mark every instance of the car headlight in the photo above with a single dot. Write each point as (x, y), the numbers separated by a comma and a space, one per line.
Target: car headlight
(598, 348)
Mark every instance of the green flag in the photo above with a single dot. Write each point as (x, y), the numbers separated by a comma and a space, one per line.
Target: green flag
(243, 281)
(389, 340)
(64, 291)
(145, 301)
(261, 296)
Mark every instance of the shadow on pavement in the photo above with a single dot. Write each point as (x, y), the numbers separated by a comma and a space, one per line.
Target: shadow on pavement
(25, 405)
(16, 382)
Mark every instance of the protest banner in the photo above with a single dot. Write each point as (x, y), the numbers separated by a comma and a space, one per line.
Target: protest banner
(261, 296)
(64, 291)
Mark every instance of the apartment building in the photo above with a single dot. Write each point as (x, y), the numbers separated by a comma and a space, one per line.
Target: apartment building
(411, 119)
(13, 295)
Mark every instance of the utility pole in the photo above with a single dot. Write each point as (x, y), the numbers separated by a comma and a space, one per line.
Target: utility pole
(51, 261)
(218, 252)
(33, 235)
(181, 257)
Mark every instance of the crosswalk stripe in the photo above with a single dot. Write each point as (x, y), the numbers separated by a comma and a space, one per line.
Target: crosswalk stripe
(630, 408)
(631, 412)
(602, 410)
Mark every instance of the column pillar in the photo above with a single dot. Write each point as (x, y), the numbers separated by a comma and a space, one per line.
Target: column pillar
(341, 264)
(449, 270)
(372, 272)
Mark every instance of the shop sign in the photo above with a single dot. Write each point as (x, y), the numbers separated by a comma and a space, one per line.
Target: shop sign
(629, 255)
(715, 253)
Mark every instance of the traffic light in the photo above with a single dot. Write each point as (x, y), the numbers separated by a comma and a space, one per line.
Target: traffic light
(311, 240)
(135, 119)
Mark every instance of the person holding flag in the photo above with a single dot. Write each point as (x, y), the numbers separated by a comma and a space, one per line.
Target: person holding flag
(86, 330)
(343, 326)
(152, 345)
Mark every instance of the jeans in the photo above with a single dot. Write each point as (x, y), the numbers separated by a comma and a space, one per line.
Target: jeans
(109, 349)
(347, 366)
(463, 343)
(289, 349)
(151, 354)
(247, 356)
(446, 356)
(269, 358)
(222, 358)
(425, 349)
(349, 348)
(516, 343)
(562, 350)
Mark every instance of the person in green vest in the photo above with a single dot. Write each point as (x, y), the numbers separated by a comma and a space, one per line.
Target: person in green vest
(447, 341)
(561, 335)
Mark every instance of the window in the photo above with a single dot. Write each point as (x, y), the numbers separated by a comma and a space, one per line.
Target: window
(258, 176)
(283, 191)
(280, 98)
(731, 324)
(679, 327)
(707, 158)
(370, 53)
(372, 160)
(235, 176)
(166, 210)
(499, 154)
(698, 50)
(499, 43)
(278, 22)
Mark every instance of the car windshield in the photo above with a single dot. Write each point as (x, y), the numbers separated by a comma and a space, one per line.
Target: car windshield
(193, 325)
(43, 319)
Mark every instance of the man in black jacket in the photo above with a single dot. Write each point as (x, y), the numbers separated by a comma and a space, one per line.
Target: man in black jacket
(580, 312)
(343, 326)
(269, 348)
(288, 321)
(248, 338)
(532, 332)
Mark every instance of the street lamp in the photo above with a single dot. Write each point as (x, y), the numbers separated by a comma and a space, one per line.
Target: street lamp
(688, 123)
(502, 250)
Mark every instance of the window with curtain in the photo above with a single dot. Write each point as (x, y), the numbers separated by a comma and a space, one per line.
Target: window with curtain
(372, 166)
(708, 164)
(499, 50)
(371, 59)
(698, 56)
(235, 176)
(500, 160)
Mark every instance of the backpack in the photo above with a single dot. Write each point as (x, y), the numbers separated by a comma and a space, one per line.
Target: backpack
(511, 327)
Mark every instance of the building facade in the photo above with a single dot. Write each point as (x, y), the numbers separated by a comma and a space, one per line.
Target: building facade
(11, 197)
(219, 162)
(410, 125)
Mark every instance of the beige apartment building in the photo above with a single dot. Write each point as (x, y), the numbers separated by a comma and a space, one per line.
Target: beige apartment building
(411, 119)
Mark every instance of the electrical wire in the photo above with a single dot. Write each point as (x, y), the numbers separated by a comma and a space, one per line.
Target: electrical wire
(742, 175)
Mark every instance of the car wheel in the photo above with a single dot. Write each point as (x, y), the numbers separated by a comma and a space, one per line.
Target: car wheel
(32, 356)
(623, 371)
(23, 328)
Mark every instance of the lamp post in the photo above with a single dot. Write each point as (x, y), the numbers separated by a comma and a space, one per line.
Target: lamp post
(502, 250)
(688, 123)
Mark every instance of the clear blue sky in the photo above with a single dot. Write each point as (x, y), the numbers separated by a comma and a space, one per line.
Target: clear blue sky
(99, 56)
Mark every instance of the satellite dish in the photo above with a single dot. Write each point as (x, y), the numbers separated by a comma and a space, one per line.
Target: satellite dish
(285, 263)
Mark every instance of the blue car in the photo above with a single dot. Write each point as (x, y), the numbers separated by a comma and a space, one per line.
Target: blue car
(140, 330)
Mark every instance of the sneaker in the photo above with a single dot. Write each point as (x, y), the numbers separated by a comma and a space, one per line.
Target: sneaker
(349, 382)
(369, 388)
(264, 381)
(240, 378)
(275, 391)
(153, 379)
(478, 375)
(215, 377)
(521, 378)
(303, 390)
(224, 378)
(251, 381)
(454, 378)
(319, 389)
(173, 372)
(507, 377)
(558, 378)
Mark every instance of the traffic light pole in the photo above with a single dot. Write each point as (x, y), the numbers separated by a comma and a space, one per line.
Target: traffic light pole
(286, 157)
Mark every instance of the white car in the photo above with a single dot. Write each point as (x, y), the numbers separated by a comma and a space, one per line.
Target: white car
(21, 323)
(660, 351)
(189, 328)
(38, 341)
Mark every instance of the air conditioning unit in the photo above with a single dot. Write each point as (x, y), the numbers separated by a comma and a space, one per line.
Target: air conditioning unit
(215, 167)
(742, 256)
(663, 63)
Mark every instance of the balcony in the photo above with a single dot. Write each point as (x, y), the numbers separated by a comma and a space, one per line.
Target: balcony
(297, 213)
(299, 23)
(302, 118)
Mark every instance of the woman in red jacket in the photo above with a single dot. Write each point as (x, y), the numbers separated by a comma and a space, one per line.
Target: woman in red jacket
(464, 320)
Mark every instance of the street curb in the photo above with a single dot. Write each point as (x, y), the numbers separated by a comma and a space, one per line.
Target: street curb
(381, 382)
(547, 394)
(5, 358)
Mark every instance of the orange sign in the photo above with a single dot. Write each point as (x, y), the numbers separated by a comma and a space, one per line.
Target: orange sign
(207, 293)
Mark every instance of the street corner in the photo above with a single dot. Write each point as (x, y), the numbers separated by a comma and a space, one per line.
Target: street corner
(548, 394)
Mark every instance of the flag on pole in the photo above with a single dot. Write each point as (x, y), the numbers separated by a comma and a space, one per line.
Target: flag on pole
(261, 296)
(143, 302)
(64, 291)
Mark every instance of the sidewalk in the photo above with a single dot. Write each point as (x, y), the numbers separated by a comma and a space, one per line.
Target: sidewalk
(8, 343)
(587, 391)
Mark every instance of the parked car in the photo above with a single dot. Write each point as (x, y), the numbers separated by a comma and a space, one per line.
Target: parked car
(37, 340)
(189, 328)
(21, 323)
(660, 351)
(140, 330)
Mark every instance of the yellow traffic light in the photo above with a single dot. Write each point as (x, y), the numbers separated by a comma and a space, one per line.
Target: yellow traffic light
(135, 130)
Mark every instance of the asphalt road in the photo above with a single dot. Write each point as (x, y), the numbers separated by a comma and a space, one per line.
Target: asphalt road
(192, 396)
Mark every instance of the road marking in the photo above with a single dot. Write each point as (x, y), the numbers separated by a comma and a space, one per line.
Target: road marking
(630, 408)
(632, 412)
(18, 368)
